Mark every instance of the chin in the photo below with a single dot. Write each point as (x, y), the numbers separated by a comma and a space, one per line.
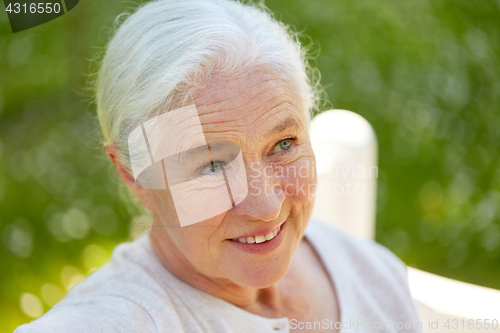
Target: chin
(263, 281)
(262, 276)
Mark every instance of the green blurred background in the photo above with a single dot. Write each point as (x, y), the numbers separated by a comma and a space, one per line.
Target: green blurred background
(425, 73)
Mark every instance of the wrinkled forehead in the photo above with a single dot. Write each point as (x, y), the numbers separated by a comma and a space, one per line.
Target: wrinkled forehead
(253, 102)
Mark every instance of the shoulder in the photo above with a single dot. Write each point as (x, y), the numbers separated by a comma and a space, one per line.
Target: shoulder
(126, 295)
(92, 313)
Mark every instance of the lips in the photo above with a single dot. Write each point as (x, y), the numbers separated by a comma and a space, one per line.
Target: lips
(261, 234)
(259, 238)
(258, 244)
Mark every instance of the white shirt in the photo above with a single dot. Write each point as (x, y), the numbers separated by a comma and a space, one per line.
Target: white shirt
(136, 293)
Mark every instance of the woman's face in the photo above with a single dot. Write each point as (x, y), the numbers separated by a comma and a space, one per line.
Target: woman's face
(264, 116)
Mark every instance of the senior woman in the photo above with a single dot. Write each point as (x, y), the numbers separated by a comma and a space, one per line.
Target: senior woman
(204, 105)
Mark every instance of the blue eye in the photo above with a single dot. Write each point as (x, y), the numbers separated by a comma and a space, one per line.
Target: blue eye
(213, 169)
(283, 145)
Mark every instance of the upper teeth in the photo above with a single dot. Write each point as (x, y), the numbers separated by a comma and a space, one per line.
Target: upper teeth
(258, 239)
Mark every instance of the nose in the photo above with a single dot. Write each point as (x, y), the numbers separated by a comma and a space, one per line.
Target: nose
(265, 196)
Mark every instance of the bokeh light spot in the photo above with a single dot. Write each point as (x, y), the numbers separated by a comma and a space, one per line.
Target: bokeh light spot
(76, 223)
(51, 294)
(94, 256)
(70, 275)
(31, 305)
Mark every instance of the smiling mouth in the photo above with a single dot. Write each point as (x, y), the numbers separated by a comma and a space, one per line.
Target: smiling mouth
(260, 238)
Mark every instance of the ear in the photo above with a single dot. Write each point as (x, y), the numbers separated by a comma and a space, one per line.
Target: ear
(144, 195)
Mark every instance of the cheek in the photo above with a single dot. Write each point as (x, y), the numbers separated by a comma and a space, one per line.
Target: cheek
(299, 180)
(196, 242)
(164, 206)
(193, 241)
(200, 244)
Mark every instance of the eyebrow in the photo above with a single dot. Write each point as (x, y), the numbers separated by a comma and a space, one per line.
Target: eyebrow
(213, 148)
(193, 152)
(288, 123)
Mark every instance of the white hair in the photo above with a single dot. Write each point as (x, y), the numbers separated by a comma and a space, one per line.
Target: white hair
(167, 49)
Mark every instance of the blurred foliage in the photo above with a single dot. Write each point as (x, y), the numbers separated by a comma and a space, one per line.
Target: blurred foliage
(425, 73)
